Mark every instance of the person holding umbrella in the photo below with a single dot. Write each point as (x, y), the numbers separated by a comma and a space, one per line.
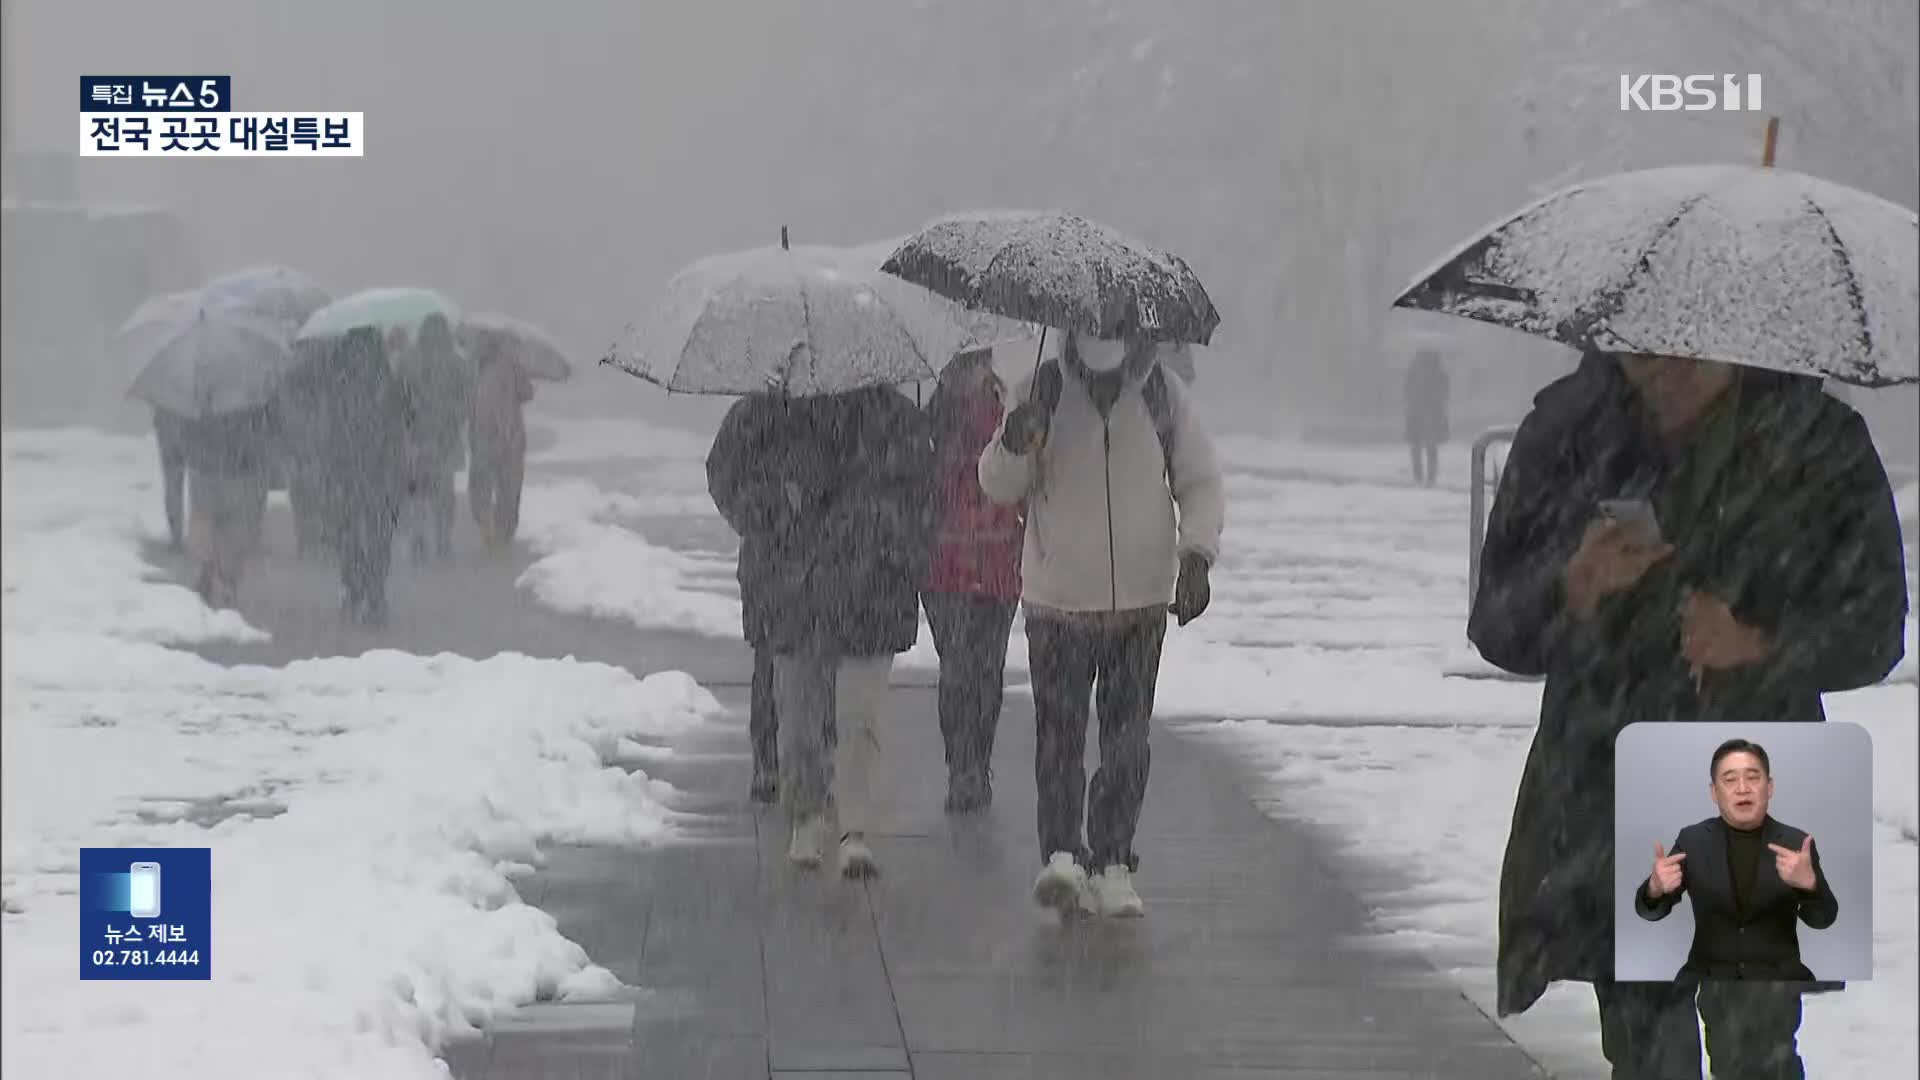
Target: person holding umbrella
(974, 584)
(1122, 485)
(497, 443)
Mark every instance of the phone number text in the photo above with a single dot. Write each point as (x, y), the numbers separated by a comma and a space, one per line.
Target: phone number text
(144, 957)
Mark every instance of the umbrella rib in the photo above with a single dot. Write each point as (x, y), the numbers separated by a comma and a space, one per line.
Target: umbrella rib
(1853, 280)
(917, 350)
(1611, 301)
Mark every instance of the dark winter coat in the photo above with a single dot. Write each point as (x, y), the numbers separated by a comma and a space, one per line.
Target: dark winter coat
(230, 444)
(1426, 400)
(751, 442)
(357, 413)
(837, 502)
(1759, 941)
(1783, 511)
(978, 541)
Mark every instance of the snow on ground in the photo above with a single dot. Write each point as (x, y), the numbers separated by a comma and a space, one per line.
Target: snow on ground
(366, 913)
(1338, 606)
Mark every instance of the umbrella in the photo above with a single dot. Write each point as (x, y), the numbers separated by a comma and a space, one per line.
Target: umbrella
(1758, 266)
(273, 293)
(810, 320)
(383, 309)
(1059, 270)
(532, 348)
(204, 359)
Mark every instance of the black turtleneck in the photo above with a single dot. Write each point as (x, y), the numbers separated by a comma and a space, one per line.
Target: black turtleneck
(1744, 848)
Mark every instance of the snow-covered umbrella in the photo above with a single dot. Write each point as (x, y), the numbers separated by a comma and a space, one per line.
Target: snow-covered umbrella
(1059, 270)
(276, 294)
(1757, 266)
(202, 358)
(807, 320)
(532, 349)
(385, 310)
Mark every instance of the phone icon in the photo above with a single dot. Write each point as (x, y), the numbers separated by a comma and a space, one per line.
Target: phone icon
(143, 890)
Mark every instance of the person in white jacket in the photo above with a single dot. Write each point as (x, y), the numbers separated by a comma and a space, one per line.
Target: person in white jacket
(1104, 447)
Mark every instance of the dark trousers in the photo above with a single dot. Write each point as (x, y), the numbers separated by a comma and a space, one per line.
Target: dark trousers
(173, 476)
(763, 722)
(1427, 454)
(494, 479)
(970, 635)
(366, 557)
(1651, 1031)
(1067, 659)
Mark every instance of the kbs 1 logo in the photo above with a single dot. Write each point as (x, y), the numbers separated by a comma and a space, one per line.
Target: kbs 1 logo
(192, 116)
(1692, 93)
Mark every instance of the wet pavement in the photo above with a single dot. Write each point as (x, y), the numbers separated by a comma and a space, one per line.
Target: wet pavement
(1255, 958)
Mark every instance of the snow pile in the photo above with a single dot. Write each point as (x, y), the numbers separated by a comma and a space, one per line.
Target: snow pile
(370, 915)
(592, 565)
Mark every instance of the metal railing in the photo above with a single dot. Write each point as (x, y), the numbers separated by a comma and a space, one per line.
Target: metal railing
(1477, 502)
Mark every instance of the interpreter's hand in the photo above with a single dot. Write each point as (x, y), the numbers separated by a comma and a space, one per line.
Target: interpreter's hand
(1795, 867)
(1711, 639)
(1613, 556)
(1026, 428)
(1666, 874)
(1192, 592)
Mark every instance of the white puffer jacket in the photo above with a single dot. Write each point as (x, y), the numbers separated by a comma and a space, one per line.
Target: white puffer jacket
(1101, 527)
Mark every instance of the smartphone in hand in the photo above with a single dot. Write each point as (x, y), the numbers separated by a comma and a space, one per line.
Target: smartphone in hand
(1636, 512)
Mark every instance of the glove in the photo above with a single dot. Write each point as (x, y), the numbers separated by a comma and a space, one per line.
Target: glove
(1026, 429)
(1191, 593)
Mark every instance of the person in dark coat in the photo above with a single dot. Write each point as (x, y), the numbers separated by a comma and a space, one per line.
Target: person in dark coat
(748, 440)
(850, 543)
(167, 435)
(1751, 880)
(437, 380)
(973, 585)
(1777, 575)
(300, 439)
(228, 458)
(1426, 401)
(362, 413)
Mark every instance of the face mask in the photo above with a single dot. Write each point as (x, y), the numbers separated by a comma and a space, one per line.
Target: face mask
(1101, 354)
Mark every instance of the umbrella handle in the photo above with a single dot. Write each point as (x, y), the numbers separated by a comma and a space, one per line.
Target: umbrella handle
(1039, 440)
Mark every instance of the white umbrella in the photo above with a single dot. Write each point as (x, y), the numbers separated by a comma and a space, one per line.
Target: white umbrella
(1753, 265)
(203, 359)
(276, 294)
(532, 349)
(810, 320)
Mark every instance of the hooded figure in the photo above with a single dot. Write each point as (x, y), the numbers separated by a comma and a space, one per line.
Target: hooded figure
(1124, 510)
(974, 582)
(1766, 570)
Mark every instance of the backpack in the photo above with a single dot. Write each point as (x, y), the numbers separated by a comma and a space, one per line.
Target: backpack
(1047, 383)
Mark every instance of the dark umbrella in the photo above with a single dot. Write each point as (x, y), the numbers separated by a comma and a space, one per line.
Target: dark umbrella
(1059, 270)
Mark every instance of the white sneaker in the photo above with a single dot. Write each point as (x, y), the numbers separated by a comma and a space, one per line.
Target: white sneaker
(1062, 885)
(856, 858)
(809, 841)
(1115, 896)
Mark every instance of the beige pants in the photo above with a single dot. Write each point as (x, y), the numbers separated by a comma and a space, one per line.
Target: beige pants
(831, 755)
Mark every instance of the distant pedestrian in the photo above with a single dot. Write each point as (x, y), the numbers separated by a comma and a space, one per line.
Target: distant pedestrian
(434, 376)
(973, 586)
(1426, 403)
(1122, 486)
(228, 457)
(497, 445)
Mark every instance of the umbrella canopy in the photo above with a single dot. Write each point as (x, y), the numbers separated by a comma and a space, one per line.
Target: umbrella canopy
(1756, 266)
(274, 294)
(532, 348)
(385, 310)
(811, 320)
(203, 359)
(1059, 270)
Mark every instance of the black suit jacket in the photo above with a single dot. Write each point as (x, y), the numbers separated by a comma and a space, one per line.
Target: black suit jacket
(1762, 944)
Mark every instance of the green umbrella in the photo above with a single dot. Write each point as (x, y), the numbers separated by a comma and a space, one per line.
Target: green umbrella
(383, 309)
